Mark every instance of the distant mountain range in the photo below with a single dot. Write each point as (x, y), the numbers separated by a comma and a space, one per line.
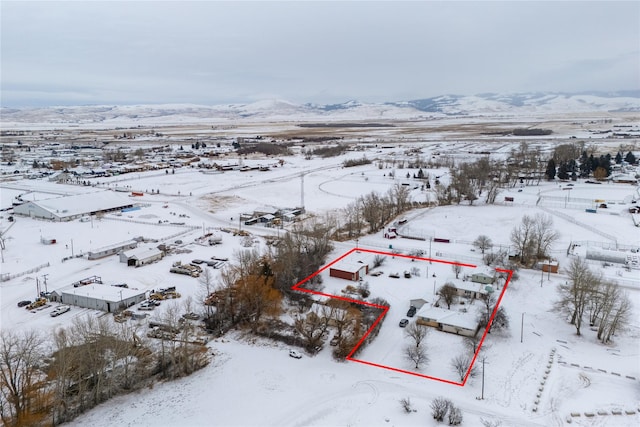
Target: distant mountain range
(486, 104)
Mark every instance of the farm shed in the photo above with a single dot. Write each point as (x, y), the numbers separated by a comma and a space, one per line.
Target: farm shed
(454, 322)
(100, 297)
(349, 270)
(550, 266)
(482, 278)
(417, 303)
(71, 207)
(112, 249)
(140, 256)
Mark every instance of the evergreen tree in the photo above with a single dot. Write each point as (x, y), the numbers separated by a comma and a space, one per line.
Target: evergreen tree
(585, 165)
(605, 163)
(550, 173)
(630, 158)
(594, 163)
(618, 158)
(562, 171)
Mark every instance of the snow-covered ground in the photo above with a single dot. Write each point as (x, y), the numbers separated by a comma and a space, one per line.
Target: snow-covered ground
(254, 382)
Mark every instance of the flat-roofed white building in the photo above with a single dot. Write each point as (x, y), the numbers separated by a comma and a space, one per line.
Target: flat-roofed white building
(99, 297)
(67, 208)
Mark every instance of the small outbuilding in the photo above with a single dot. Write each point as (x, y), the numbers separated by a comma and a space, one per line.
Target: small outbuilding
(417, 303)
(482, 278)
(550, 266)
(141, 256)
(112, 249)
(349, 270)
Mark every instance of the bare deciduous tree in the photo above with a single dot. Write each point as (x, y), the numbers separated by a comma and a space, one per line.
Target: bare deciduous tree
(615, 317)
(576, 293)
(311, 327)
(405, 402)
(439, 408)
(522, 238)
(544, 234)
(483, 243)
(417, 333)
(448, 292)
(457, 269)
(416, 354)
(490, 423)
(500, 319)
(461, 365)
(24, 397)
(207, 287)
(455, 416)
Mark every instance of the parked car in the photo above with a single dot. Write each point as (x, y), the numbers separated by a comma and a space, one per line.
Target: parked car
(403, 323)
(61, 309)
(191, 316)
(147, 305)
(197, 261)
(24, 303)
(412, 311)
(295, 354)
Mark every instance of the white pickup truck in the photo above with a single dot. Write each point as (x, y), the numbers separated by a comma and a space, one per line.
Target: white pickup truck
(61, 309)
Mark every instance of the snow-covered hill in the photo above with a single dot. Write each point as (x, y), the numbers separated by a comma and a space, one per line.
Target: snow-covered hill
(279, 110)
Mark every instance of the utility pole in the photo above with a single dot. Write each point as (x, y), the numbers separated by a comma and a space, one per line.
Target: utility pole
(522, 327)
(44, 276)
(482, 393)
(541, 274)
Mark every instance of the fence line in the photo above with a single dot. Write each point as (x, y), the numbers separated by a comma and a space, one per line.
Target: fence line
(161, 224)
(7, 276)
(580, 224)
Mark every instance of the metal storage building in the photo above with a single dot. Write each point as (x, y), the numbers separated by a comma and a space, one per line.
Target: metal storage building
(100, 297)
(71, 207)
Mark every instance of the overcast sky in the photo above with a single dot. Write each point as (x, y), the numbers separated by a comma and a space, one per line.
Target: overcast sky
(206, 52)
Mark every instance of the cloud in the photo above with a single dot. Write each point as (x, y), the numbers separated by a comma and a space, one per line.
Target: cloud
(212, 52)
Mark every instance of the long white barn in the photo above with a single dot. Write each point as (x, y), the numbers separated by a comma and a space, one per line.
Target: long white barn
(68, 208)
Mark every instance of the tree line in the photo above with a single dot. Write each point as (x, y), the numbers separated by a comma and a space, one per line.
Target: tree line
(46, 381)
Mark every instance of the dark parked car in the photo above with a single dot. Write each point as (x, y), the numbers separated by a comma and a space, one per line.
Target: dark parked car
(24, 303)
(404, 323)
(412, 311)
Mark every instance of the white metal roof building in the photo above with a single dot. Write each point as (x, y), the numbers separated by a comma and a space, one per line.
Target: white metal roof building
(141, 256)
(68, 208)
(100, 297)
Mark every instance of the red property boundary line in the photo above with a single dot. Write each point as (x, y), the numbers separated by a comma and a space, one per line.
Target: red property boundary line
(385, 309)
